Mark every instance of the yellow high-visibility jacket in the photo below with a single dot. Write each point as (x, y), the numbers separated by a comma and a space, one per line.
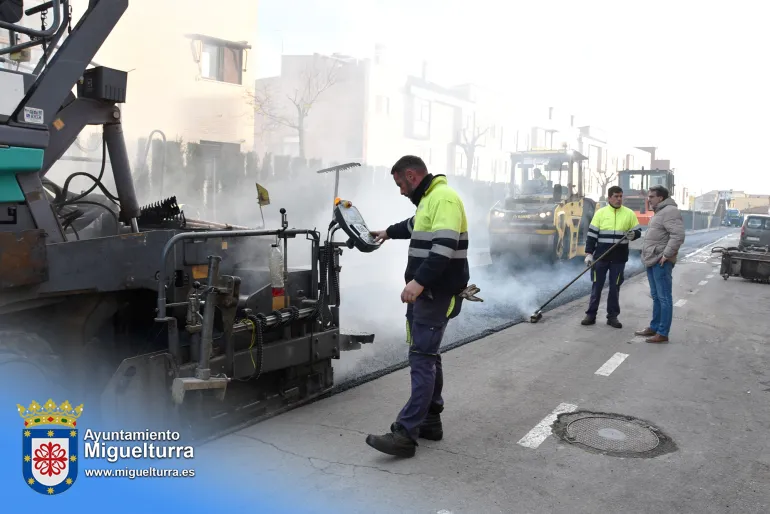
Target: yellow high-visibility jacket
(607, 228)
(438, 247)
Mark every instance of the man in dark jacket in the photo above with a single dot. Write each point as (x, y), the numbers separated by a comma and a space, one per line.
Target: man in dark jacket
(436, 274)
(664, 237)
(608, 226)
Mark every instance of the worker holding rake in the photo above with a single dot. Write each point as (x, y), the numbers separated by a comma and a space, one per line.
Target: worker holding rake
(610, 225)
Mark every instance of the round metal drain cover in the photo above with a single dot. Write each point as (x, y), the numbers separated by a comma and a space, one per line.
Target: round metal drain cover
(610, 434)
(614, 435)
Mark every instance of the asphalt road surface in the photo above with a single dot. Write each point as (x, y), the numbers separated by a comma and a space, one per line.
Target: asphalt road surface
(371, 285)
(693, 437)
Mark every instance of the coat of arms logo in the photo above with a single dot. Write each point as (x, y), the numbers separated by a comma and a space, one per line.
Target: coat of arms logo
(50, 455)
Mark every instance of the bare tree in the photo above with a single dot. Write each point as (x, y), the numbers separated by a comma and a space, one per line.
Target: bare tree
(312, 83)
(469, 141)
(604, 178)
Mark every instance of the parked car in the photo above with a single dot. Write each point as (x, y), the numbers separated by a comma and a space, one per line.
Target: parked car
(755, 232)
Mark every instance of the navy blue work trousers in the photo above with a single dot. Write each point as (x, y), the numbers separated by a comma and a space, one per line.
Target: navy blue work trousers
(599, 277)
(426, 321)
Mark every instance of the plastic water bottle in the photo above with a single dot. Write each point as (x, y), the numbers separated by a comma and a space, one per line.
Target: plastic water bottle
(276, 266)
(276, 277)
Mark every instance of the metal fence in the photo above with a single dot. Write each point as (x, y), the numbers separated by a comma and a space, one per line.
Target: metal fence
(180, 170)
(697, 220)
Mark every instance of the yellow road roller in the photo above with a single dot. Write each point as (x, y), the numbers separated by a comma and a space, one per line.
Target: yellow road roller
(545, 215)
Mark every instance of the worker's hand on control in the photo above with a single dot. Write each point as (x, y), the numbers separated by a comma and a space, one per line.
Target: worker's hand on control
(380, 236)
(411, 292)
(589, 260)
(630, 235)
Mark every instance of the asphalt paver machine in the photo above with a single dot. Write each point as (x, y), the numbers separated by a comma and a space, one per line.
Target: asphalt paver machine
(136, 312)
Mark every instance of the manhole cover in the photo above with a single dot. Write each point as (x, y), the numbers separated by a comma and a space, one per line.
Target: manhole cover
(612, 434)
(609, 434)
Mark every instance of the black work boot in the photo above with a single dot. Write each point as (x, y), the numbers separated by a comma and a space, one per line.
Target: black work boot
(588, 320)
(613, 322)
(396, 443)
(431, 428)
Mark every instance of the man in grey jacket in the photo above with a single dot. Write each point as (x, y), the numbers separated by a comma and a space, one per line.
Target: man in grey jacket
(660, 248)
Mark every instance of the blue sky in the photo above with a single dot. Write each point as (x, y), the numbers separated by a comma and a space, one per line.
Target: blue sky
(683, 76)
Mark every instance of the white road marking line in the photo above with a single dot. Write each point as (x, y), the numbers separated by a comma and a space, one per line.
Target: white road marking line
(611, 365)
(694, 292)
(703, 282)
(709, 276)
(703, 249)
(679, 303)
(542, 430)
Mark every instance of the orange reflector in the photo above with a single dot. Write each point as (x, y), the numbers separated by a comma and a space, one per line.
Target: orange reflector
(200, 271)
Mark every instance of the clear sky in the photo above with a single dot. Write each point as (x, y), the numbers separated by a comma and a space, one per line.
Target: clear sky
(690, 77)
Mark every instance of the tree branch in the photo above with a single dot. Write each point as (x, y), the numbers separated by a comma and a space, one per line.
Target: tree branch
(317, 78)
(604, 178)
(316, 81)
(470, 144)
(265, 105)
(473, 140)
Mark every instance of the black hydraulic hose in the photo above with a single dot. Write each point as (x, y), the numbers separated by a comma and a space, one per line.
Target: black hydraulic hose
(97, 181)
(294, 315)
(56, 188)
(104, 190)
(71, 217)
(330, 267)
(335, 278)
(259, 320)
(114, 216)
(323, 277)
(320, 305)
(61, 199)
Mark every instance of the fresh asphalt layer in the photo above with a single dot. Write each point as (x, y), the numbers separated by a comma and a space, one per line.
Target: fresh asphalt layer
(707, 390)
(371, 286)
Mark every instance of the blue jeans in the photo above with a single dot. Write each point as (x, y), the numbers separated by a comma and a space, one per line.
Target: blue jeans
(660, 281)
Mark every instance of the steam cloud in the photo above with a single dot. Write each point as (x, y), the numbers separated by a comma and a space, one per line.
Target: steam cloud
(371, 283)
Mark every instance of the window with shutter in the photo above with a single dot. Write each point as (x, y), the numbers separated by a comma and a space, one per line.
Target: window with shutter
(221, 60)
(232, 65)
